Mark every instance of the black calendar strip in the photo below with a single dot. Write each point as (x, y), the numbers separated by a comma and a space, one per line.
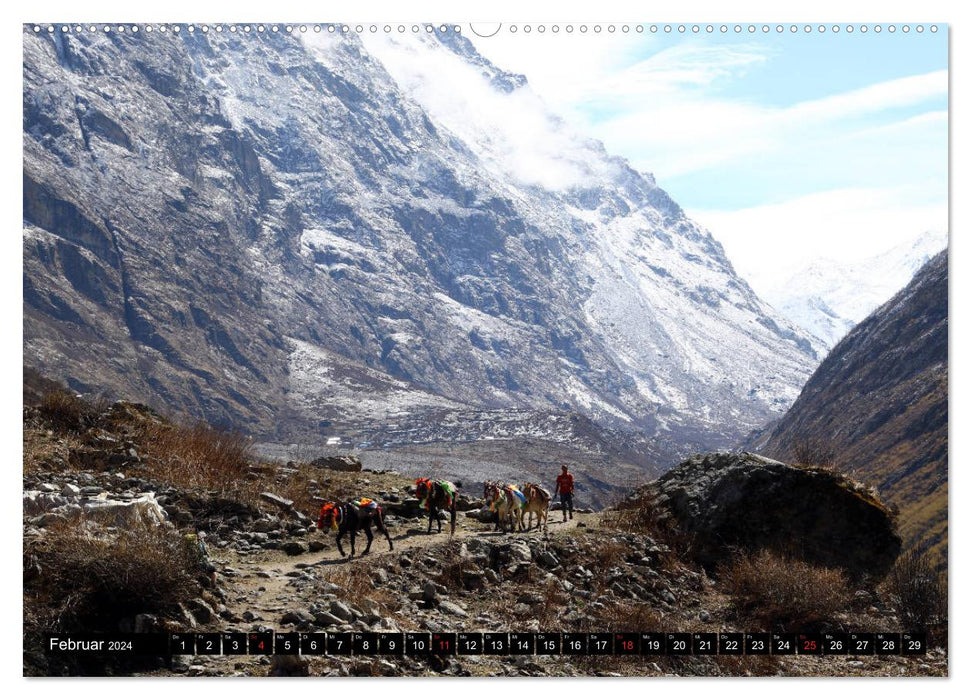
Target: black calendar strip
(493, 643)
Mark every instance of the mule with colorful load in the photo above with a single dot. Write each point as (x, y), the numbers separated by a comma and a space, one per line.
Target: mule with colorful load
(436, 497)
(351, 516)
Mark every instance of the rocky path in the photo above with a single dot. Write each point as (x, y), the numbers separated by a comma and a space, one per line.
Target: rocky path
(269, 589)
(261, 580)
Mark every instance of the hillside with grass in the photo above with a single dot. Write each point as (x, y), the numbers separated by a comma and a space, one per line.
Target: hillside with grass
(877, 408)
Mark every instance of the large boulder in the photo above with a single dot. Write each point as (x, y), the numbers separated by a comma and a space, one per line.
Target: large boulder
(727, 501)
(338, 463)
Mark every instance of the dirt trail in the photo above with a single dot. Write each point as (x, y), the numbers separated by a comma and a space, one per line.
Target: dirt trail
(258, 583)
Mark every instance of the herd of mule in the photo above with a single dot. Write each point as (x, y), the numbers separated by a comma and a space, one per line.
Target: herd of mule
(510, 504)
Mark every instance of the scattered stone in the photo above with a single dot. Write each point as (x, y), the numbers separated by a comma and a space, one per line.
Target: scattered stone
(325, 619)
(296, 617)
(473, 579)
(547, 560)
(294, 548)
(201, 610)
(289, 665)
(530, 599)
(452, 609)
(276, 500)
(429, 593)
(124, 514)
(341, 611)
(145, 624)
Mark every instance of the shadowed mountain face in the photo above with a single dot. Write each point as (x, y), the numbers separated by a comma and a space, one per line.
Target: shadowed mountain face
(878, 404)
(276, 232)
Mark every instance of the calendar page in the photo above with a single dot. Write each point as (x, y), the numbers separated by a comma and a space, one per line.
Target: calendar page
(485, 349)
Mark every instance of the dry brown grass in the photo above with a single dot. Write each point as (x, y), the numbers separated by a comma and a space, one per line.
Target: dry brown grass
(605, 554)
(358, 588)
(641, 515)
(193, 456)
(452, 567)
(638, 515)
(549, 613)
(748, 666)
(782, 593)
(200, 456)
(629, 617)
(65, 412)
(42, 451)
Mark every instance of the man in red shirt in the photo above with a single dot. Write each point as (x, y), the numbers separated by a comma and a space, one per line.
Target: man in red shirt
(564, 487)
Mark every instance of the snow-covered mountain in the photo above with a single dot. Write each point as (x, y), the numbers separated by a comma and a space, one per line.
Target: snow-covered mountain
(301, 234)
(828, 298)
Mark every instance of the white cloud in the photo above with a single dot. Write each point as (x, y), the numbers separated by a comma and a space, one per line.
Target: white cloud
(673, 116)
(515, 134)
(689, 130)
(873, 98)
(768, 243)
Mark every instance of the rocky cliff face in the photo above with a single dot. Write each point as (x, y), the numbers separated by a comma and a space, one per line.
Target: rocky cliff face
(728, 502)
(292, 234)
(877, 406)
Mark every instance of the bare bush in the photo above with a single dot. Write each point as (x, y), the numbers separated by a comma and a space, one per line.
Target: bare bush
(809, 452)
(782, 592)
(918, 591)
(83, 581)
(637, 513)
(68, 413)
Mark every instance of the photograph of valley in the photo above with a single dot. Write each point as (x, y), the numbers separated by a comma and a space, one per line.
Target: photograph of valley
(601, 334)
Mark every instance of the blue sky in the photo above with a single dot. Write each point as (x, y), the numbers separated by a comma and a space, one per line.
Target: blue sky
(795, 144)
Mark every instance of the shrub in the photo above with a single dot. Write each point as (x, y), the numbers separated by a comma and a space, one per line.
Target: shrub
(918, 591)
(640, 513)
(199, 455)
(782, 592)
(66, 412)
(91, 582)
(807, 452)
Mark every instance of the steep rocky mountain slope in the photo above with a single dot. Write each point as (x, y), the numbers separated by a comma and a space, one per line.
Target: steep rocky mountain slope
(828, 298)
(877, 407)
(297, 235)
